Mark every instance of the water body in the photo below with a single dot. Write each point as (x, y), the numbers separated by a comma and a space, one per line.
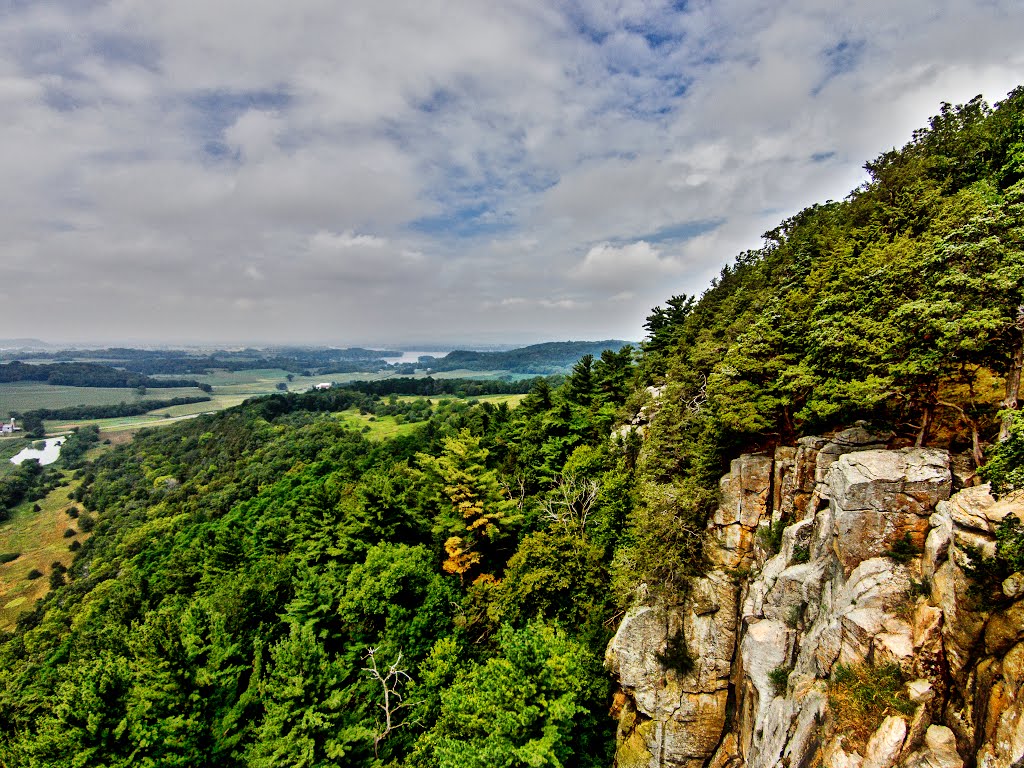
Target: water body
(414, 356)
(46, 455)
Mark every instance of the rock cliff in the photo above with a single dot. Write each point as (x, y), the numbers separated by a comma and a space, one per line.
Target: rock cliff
(838, 568)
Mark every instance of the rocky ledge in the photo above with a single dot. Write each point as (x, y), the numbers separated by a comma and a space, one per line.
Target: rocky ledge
(871, 575)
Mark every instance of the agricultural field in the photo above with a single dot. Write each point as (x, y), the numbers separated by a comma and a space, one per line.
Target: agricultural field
(27, 395)
(230, 388)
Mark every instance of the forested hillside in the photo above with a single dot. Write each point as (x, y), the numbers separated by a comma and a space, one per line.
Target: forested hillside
(550, 357)
(267, 587)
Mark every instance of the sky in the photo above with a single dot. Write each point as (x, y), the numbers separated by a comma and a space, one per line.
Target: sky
(376, 172)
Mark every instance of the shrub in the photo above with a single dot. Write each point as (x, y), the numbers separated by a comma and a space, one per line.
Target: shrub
(861, 696)
(903, 550)
(796, 612)
(34, 574)
(676, 655)
(770, 537)
(69, 532)
(801, 554)
(7, 557)
(36, 508)
(86, 522)
(57, 571)
(988, 573)
(780, 679)
(72, 512)
(75, 545)
(1005, 466)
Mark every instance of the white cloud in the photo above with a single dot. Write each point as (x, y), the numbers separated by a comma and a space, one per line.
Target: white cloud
(329, 241)
(397, 166)
(627, 266)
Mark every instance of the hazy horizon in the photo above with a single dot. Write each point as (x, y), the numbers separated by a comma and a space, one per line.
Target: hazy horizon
(440, 347)
(361, 173)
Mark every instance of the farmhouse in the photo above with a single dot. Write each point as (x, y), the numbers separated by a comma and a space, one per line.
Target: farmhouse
(323, 385)
(9, 428)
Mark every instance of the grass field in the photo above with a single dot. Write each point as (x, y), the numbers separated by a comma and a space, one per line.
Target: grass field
(28, 395)
(39, 537)
(376, 427)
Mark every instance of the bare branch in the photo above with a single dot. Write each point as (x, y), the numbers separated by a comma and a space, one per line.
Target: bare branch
(391, 679)
(570, 503)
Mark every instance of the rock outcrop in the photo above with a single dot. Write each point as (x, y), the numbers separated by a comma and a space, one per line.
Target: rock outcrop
(872, 573)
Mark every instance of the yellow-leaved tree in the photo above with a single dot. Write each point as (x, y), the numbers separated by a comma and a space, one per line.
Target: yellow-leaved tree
(474, 511)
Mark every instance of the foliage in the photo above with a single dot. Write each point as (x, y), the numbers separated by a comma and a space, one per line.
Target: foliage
(1005, 466)
(524, 706)
(84, 375)
(801, 554)
(989, 573)
(108, 411)
(779, 678)
(861, 696)
(770, 536)
(676, 655)
(903, 550)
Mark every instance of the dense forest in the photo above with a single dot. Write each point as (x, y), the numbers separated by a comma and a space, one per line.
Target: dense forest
(550, 357)
(267, 587)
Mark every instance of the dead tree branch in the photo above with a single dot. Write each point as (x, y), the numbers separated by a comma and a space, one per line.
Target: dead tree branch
(391, 679)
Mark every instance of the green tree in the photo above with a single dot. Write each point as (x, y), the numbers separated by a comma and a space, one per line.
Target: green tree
(539, 702)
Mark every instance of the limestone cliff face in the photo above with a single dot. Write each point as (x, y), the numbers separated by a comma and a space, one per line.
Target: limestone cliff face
(767, 629)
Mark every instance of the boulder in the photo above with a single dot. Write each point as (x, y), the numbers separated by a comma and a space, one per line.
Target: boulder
(883, 748)
(1013, 586)
(961, 625)
(1005, 746)
(936, 544)
(881, 497)
(674, 719)
(939, 750)
(837, 757)
(969, 508)
(765, 647)
(848, 441)
(1005, 628)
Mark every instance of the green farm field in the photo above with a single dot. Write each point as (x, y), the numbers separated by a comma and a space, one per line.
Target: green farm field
(27, 395)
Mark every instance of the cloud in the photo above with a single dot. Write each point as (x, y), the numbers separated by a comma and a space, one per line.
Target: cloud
(525, 169)
(329, 241)
(624, 267)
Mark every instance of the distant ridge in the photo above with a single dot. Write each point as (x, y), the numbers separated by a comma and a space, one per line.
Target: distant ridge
(24, 344)
(545, 358)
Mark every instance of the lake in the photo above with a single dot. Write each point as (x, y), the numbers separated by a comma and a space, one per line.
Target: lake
(47, 455)
(414, 356)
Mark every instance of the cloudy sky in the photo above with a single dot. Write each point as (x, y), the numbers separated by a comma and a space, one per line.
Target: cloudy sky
(376, 171)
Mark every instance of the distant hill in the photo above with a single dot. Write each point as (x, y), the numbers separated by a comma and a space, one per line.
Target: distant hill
(24, 344)
(550, 357)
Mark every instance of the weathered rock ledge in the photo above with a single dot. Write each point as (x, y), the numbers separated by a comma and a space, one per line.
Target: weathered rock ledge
(831, 595)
